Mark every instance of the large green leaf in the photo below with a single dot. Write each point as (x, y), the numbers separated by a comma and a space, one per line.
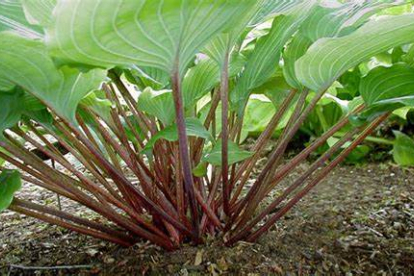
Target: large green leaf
(409, 57)
(14, 104)
(264, 60)
(271, 8)
(99, 104)
(26, 63)
(148, 77)
(276, 89)
(6, 85)
(12, 18)
(203, 77)
(11, 109)
(387, 89)
(235, 154)
(31, 103)
(333, 18)
(10, 183)
(161, 34)
(295, 50)
(403, 149)
(221, 47)
(18, 105)
(328, 58)
(259, 112)
(39, 12)
(159, 104)
(194, 128)
(200, 79)
(217, 48)
(329, 19)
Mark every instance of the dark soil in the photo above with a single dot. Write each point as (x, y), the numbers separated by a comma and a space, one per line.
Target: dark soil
(359, 221)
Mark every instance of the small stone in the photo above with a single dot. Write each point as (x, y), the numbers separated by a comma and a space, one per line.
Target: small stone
(109, 260)
(92, 252)
(397, 226)
(222, 264)
(318, 255)
(395, 214)
(199, 257)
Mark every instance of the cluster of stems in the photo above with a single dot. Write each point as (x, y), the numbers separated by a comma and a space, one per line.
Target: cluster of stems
(157, 198)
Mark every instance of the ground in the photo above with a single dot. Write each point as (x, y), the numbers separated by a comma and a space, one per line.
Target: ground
(359, 221)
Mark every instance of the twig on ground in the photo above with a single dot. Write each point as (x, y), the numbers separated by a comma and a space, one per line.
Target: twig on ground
(22, 267)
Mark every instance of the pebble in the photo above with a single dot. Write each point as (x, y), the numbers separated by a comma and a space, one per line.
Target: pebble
(109, 260)
(397, 226)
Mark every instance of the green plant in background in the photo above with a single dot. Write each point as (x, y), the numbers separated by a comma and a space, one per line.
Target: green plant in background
(153, 99)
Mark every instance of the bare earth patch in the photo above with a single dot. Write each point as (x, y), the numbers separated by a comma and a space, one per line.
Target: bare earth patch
(359, 221)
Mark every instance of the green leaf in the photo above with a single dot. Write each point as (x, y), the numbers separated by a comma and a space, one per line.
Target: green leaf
(236, 154)
(32, 103)
(11, 110)
(203, 77)
(271, 8)
(402, 112)
(329, 58)
(12, 18)
(2, 161)
(76, 85)
(387, 89)
(200, 170)
(403, 149)
(200, 79)
(403, 7)
(276, 89)
(358, 155)
(6, 85)
(159, 104)
(259, 112)
(217, 48)
(350, 82)
(98, 104)
(161, 34)
(337, 19)
(26, 63)
(264, 60)
(17, 103)
(42, 117)
(409, 57)
(296, 49)
(328, 20)
(10, 183)
(194, 128)
(228, 43)
(39, 12)
(148, 77)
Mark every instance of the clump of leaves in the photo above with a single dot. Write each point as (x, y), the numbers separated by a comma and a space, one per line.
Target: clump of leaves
(150, 98)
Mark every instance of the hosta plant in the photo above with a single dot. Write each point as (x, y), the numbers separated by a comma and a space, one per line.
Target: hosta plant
(136, 110)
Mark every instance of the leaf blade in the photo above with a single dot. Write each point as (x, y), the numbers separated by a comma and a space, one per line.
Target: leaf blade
(160, 34)
(10, 183)
(328, 58)
(403, 152)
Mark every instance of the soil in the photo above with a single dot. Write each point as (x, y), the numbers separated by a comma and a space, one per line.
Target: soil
(359, 221)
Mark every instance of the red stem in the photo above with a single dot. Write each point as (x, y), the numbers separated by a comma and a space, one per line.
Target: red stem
(61, 223)
(184, 153)
(224, 95)
(321, 175)
(295, 122)
(298, 182)
(246, 168)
